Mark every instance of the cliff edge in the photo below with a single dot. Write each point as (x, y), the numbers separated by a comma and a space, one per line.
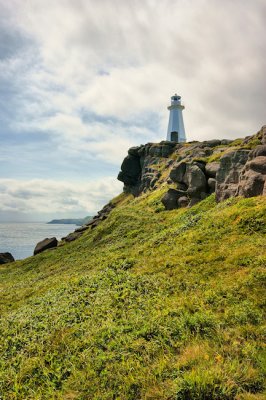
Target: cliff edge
(193, 171)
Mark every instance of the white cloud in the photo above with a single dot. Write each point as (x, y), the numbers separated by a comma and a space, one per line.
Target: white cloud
(124, 59)
(105, 141)
(95, 77)
(62, 197)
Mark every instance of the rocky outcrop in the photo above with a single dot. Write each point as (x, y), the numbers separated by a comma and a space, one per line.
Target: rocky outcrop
(95, 221)
(228, 174)
(252, 180)
(130, 169)
(238, 169)
(243, 172)
(196, 181)
(6, 258)
(138, 172)
(48, 243)
(192, 178)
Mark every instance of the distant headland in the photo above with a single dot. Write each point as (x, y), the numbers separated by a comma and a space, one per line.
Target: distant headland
(73, 221)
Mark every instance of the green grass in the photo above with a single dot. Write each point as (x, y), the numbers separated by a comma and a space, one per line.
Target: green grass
(151, 304)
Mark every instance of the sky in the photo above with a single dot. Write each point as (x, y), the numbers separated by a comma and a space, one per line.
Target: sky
(81, 81)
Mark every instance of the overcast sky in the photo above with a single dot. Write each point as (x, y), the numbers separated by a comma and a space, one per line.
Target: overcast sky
(83, 80)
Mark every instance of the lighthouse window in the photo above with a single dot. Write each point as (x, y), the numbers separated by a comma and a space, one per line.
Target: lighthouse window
(175, 98)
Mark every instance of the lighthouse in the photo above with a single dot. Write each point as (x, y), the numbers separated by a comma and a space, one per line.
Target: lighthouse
(176, 130)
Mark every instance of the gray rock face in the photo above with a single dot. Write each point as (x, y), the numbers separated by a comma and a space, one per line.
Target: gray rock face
(243, 172)
(45, 244)
(6, 258)
(228, 174)
(252, 180)
(190, 176)
(130, 169)
(149, 179)
(258, 151)
(136, 173)
(257, 164)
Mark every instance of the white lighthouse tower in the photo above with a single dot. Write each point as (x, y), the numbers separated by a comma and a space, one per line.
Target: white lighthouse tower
(176, 130)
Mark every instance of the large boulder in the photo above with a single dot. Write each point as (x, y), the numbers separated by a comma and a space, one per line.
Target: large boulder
(253, 176)
(196, 181)
(178, 172)
(6, 258)
(191, 175)
(258, 164)
(45, 244)
(228, 174)
(211, 169)
(170, 199)
(258, 151)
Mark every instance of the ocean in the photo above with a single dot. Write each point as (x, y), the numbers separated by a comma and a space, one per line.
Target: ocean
(20, 239)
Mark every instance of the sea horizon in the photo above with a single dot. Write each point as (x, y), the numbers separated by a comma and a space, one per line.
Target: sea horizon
(20, 238)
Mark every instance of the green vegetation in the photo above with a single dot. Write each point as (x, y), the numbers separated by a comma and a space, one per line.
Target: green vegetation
(151, 304)
(251, 144)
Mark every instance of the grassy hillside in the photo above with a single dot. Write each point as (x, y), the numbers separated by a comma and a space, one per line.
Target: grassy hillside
(151, 304)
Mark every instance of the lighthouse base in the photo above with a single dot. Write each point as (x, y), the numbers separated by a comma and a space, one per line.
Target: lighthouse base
(174, 136)
(176, 130)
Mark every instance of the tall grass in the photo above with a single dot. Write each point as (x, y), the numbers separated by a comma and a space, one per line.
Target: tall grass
(148, 305)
